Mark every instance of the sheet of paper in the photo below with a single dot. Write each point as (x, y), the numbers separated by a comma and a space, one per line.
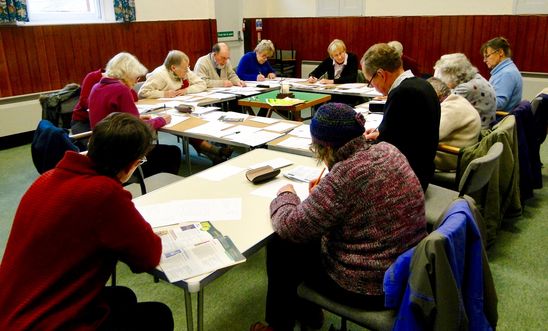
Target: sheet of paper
(193, 210)
(303, 173)
(232, 116)
(267, 120)
(176, 120)
(372, 121)
(281, 127)
(200, 111)
(220, 172)
(276, 163)
(302, 131)
(270, 189)
(255, 138)
(233, 132)
(296, 142)
(214, 128)
(212, 115)
(142, 109)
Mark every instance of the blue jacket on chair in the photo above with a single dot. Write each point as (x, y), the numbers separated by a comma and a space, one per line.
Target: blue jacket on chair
(439, 285)
(49, 145)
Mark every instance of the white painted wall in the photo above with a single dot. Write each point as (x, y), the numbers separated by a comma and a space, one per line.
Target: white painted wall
(168, 10)
(307, 8)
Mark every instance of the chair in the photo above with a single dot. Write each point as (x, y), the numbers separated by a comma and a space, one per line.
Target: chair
(475, 177)
(457, 283)
(284, 63)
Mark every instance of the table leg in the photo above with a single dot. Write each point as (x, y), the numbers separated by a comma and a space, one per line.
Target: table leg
(200, 309)
(188, 308)
(186, 151)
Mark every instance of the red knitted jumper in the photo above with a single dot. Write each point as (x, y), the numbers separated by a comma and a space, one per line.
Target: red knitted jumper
(71, 227)
(367, 210)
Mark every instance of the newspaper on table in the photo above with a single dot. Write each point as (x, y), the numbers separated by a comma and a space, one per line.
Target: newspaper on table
(195, 249)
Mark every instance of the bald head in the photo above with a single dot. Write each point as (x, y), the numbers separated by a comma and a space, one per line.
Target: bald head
(221, 53)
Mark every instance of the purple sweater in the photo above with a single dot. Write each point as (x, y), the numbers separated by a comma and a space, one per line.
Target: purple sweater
(367, 210)
(109, 96)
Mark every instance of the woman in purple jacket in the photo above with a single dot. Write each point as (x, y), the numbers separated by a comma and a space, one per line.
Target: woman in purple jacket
(356, 221)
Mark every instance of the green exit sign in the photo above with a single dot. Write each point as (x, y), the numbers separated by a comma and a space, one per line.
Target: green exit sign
(224, 34)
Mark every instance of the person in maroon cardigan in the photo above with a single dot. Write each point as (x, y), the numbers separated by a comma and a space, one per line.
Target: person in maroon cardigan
(72, 226)
(114, 93)
(356, 221)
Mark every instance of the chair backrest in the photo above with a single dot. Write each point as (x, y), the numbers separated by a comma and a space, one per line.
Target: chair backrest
(479, 171)
(361, 77)
(49, 144)
(539, 107)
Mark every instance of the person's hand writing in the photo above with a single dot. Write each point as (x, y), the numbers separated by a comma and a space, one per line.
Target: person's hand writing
(227, 83)
(286, 188)
(271, 75)
(312, 79)
(180, 92)
(166, 118)
(170, 94)
(242, 84)
(382, 97)
(260, 77)
(312, 184)
(327, 81)
(371, 134)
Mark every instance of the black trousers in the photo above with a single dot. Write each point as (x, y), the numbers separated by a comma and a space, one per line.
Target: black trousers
(127, 314)
(288, 264)
(162, 158)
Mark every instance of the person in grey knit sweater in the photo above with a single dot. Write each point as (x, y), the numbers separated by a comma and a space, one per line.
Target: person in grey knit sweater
(357, 220)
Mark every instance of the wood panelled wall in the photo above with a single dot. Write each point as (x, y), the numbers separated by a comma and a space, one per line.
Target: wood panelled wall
(43, 58)
(425, 38)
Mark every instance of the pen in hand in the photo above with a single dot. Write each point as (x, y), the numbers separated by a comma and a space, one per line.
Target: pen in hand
(313, 183)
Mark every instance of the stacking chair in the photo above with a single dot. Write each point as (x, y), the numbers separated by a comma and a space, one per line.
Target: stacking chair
(475, 177)
(284, 62)
(457, 273)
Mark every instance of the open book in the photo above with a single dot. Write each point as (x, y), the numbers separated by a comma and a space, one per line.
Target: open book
(190, 250)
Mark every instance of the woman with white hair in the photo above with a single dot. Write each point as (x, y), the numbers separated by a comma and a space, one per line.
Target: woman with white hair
(113, 94)
(339, 68)
(463, 78)
(254, 66)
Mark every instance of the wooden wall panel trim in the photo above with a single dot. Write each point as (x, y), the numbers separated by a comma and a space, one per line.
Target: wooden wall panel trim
(42, 58)
(424, 38)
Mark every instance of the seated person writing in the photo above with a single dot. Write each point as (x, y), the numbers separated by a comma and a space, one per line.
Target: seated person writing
(460, 124)
(505, 76)
(215, 68)
(458, 73)
(172, 79)
(114, 94)
(356, 221)
(254, 66)
(339, 68)
(71, 227)
(411, 119)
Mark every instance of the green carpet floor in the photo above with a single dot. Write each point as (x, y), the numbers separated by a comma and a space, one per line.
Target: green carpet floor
(236, 299)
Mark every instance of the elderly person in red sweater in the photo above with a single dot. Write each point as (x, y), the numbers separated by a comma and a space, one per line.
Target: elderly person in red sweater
(356, 221)
(114, 93)
(72, 226)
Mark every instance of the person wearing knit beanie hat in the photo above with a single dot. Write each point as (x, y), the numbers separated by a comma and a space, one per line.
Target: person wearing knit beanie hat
(335, 124)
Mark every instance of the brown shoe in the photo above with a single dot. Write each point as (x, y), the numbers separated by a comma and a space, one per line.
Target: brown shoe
(259, 326)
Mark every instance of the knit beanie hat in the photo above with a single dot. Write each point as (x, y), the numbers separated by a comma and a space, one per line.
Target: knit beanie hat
(335, 124)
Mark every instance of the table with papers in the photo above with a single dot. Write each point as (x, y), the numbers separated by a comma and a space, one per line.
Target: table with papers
(226, 185)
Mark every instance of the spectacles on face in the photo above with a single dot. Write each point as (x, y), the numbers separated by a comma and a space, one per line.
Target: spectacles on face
(143, 160)
(486, 56)
(371, 80)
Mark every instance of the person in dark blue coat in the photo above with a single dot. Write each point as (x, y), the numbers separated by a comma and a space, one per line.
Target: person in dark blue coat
(254, 66)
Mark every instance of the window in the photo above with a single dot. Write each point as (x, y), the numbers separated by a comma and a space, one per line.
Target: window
(70, 11)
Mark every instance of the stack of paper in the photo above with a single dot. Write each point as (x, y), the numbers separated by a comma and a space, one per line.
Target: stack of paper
(195, 249)
(285, 102)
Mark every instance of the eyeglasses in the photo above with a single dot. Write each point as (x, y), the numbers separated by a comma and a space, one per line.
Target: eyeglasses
(143, 160)
(486, 56)
(371, 80)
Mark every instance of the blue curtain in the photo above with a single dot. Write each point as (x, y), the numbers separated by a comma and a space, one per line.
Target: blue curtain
(12, 11)
(124, 10)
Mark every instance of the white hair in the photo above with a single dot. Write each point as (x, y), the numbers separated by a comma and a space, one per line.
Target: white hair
(265, 46)
(454, 69)
(125, 66)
